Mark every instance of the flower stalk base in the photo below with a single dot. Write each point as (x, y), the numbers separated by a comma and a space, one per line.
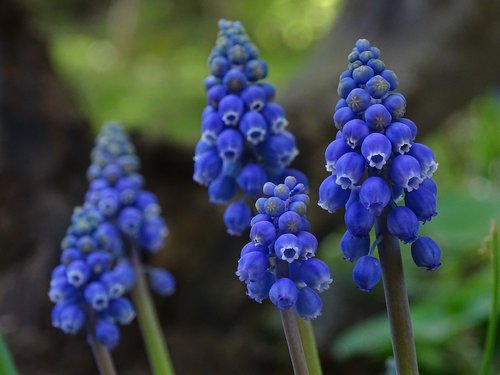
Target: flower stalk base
(102, 356)
(156, 346)
(396, 298)
(310, 347)
(293, 339)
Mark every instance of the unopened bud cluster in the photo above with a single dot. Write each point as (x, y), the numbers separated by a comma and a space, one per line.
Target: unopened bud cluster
(280, 261)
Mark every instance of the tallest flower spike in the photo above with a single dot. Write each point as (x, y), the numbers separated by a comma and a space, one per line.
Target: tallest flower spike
(243, 142)
(376, 141)
(375, 163)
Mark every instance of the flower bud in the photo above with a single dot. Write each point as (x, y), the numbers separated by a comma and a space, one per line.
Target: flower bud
(283, 293)
(426, 253)
(308, 304)
(403, 223)
(367, 273)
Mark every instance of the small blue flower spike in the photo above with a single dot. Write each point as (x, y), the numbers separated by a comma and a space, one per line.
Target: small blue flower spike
(81, 288)
(118, 216)
(244, 141)
(280, 261)
(136, 214)
(375, 164)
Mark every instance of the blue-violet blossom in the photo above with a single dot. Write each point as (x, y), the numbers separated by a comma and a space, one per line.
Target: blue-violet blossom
(117, 217)
(374, 163)
(244, 141)
(92, 278)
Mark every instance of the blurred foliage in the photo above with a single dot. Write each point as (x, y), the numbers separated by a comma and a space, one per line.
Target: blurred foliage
(7, 366)
(144, 62)
(491, 246)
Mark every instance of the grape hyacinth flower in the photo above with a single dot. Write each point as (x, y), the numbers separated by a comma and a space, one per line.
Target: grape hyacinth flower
(280, 261)
(117, 191)
(377, 142)
(89, 285)
(244, 141)
(375, 163)
(100, 259)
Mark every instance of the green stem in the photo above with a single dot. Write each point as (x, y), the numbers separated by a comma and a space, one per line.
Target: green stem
(7, 366)
(396, 299)
(310, 348)
(291, 330)
(156, 347)
(489, 346)
(294, 342)
(102, 356)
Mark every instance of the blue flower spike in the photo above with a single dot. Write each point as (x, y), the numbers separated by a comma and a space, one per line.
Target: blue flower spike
(280, 262)
(79, 288)
(118, 220)
(243, 138)
(375, 164)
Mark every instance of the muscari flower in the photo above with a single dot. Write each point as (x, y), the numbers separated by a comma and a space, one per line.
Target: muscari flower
(244, 142)
(118, 216)
(280, 261)
(136, 211)
(90, 285)
(375, 163)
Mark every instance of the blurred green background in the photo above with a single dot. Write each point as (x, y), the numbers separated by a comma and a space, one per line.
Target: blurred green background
(144, 65)
(142, 62)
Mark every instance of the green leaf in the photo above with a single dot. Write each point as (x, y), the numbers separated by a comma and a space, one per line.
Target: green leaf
(7, 366)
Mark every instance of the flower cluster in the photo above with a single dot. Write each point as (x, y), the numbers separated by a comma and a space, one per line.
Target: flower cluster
(375, 141)
(116, 190)
(280, 262)
(243, 142)
(118, 218)
(89, 284)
